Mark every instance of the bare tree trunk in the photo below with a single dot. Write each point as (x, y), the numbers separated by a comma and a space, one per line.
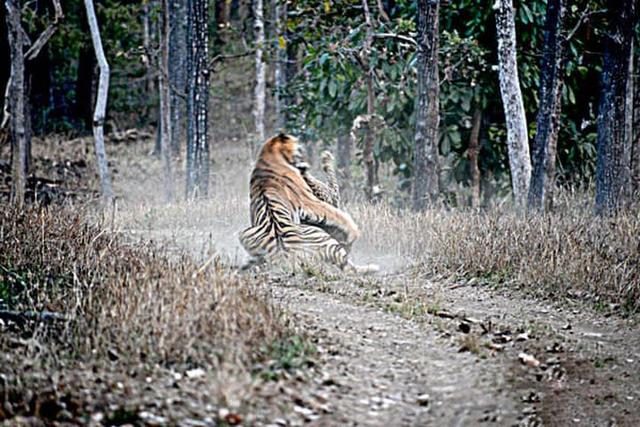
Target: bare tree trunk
(280, 11)
(165, 103)
(17, 103)
(635, 149)
(517, 137)
(198, 100)
(546, 141)
(178, 53)
(474, 155)
(146, 45)
(345, 147)
(628, 122)
(101, 102)
(425, 156)
(260, 88)
(614, 153)
(367, 151)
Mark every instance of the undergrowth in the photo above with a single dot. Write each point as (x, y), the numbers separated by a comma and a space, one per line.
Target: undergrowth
(569, 253)
(129, 308)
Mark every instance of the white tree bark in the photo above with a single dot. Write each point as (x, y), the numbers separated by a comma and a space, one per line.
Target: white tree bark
(260, 89)
(16, 103)
(101, 102)
(165, 104)
(517, 137)
(280, 11)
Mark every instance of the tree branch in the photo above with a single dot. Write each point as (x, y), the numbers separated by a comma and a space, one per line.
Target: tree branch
(400, 37)
(44, 37)
(586, 15)
(223, 57)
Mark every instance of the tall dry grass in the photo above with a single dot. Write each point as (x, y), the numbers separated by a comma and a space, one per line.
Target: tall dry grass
(131, 300)
(569, 253)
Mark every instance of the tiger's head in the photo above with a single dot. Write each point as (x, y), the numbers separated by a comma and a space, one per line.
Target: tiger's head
(285, 147)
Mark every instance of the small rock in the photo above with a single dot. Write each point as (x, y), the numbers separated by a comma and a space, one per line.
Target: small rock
(195, 373)
(152, 419)
(529, 360)
(423, 399)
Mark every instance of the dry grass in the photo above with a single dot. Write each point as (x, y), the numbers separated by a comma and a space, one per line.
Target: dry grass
(568, 253)
(130, 304)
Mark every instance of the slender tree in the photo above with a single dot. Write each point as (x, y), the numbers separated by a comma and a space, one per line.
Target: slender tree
(260, 95)
(198, 100)
(614, 151)
(517, 137)
(635, 148)
(17, 103)
(101, 102)
(178, 53)
(280, 18)
(165, 103)
(550, 92)
(474, 155)
(367, 151)
(17, 108)
(425, 156)
(343, 159)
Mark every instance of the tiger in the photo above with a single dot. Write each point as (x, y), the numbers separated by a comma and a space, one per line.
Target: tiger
(289, 217)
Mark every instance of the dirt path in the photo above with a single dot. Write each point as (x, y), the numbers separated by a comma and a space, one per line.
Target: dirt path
(380, 369)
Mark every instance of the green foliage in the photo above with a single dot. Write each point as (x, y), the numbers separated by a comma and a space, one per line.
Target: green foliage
(290, 353)
(333, 93)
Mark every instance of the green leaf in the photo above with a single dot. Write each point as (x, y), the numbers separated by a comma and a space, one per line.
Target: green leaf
(333, 88)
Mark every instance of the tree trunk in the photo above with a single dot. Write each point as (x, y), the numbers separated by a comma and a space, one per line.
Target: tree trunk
(517, 138)
(17, 103)
(344, 160)
(628, 122)
(614, 152)
(474, 154)
(550, 92)
(280, 11)
(147, 58)
(367, 151)
(198, 100)
(425, 156)
(101, 103)
(635, 149)
(178, 71)
(260, 88)
(165, 103)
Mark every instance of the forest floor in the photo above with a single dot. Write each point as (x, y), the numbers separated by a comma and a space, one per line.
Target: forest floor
(401, 347)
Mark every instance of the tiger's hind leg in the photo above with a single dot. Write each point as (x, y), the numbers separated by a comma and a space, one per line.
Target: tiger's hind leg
(314, 241)
(254, 241)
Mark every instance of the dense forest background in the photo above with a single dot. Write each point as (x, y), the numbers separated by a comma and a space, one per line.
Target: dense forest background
(317, 81)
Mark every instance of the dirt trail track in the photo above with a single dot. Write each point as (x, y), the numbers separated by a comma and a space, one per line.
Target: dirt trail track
(392, 371)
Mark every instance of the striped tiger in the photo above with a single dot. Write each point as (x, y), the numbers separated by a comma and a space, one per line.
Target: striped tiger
(288, 217)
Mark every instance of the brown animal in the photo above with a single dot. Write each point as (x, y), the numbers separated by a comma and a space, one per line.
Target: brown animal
(287, 217)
